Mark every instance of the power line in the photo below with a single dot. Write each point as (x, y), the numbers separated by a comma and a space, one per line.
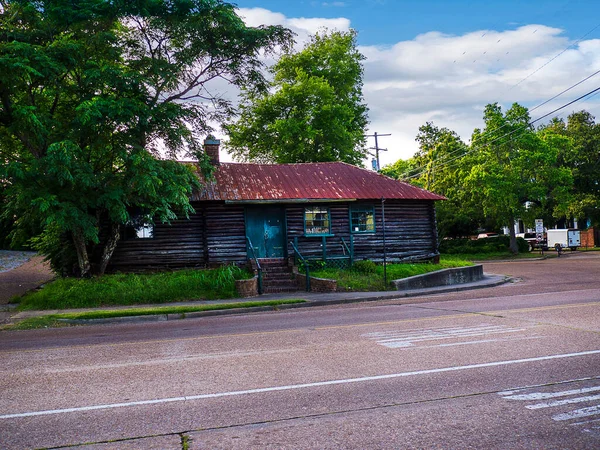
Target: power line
(532, 109)
(556, 56)
(523, 128)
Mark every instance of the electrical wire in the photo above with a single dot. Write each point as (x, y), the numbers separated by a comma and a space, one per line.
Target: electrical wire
(523, 128)
(532, 109)
(556, 56)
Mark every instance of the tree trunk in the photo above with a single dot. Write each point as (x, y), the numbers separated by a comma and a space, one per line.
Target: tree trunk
(513, 247)
(83, 259)
(109, 248)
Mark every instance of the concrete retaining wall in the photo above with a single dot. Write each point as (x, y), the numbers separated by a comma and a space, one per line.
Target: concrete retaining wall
(443, 277)
(316, 284)
(247, 288)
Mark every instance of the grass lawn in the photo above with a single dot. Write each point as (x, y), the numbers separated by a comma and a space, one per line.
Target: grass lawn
(366, 277)
(132, 289)
(491, 256)
(61, 320)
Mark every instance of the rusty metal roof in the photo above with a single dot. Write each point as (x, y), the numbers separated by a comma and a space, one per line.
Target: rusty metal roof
(308, 181)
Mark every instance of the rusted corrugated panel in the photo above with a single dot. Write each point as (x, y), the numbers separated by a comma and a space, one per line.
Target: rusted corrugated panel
(311, 181)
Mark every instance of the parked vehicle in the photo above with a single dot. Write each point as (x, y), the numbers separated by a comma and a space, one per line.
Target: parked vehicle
(531, 239)
(487, 235)
(568, 237)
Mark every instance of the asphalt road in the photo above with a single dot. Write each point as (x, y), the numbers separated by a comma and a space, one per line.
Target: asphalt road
(517, 366)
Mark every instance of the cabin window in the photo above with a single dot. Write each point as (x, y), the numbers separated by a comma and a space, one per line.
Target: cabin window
(317, 221)
(138, 230)
(362, 219)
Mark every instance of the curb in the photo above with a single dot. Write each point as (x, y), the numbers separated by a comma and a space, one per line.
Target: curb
(487, 282)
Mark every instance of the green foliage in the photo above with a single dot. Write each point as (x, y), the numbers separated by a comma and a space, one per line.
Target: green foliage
(58, 320)
(512, 165)
(93, 91)
(131, 289)
(364, 279)
(480, 246)
(314, 112)
(582, 157)
(435, 167)
(366, 267)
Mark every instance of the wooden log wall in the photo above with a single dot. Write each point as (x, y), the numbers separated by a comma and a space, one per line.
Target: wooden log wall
(216, 235)
(410, 232)
(175, 245)
(225, 234)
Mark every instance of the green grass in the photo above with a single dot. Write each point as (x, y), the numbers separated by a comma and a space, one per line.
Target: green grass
(359, 280)
(58, 320)
(132, 289)
(491, 256)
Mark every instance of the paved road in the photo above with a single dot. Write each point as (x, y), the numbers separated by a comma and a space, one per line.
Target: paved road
(516, 366)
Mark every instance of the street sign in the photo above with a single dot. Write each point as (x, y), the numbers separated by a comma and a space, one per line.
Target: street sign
(539, 225)
(539, 229)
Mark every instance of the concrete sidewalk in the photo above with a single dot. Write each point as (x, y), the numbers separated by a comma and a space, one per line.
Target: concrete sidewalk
(312, 299)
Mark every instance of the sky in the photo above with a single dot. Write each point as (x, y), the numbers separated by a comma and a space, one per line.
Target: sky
(442, 61)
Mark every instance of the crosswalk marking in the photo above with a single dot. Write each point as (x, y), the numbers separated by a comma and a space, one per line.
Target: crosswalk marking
(546, 395)
(568, 401)
(574, 396)
(578, 413)
(407, 339)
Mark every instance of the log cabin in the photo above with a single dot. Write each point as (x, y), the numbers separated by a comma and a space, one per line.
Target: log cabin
(331, 211)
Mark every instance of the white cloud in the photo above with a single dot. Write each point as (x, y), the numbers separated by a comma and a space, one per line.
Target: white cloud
(302, 26)
(449, 79)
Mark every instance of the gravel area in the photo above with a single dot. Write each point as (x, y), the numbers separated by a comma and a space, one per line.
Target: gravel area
(21, 272)
(10, 259)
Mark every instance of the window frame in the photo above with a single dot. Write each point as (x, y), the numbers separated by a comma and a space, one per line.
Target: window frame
(366, 208)
(133, 227)
(314, 207)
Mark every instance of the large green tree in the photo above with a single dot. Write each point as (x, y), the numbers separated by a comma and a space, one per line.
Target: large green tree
(583, 158)
(435, 166)
(93, 91)
(511, 165)
(314, 111)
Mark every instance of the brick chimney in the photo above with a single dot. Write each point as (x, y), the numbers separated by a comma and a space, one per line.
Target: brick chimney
(211, 148)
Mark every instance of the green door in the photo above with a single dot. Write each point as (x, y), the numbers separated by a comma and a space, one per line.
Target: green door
(265, 228)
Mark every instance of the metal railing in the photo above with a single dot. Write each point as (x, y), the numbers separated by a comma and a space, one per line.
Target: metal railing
(298, 256)
(349, 249)
(258, 268)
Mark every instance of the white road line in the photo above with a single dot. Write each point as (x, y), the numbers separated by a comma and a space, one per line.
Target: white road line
(434, 331)
(568, 401)
(300, 386)
(585, 422)
(578, 413)
(546, 395)
(433, 337)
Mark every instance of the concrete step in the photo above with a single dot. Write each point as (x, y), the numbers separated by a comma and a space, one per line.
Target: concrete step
(273, 290)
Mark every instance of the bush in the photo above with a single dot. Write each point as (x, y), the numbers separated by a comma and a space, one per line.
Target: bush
(365, 266)
(480, 246)
(523, 245)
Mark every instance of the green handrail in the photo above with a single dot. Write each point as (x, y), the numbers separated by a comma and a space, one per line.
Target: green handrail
(258, 268)
(348, 250)
(305, 262)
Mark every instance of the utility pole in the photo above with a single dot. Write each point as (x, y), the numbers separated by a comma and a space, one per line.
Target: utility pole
(377, 149)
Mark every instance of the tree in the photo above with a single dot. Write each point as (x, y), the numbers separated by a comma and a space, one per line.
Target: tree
(435, 166)
(510, 165)
(314, 111)
(91, 91)
(583, 158)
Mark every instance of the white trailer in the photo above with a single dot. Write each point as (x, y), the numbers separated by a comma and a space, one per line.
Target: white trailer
(569, 237)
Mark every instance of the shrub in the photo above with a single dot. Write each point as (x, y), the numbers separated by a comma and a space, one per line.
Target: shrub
(480, 246)
(365, 266)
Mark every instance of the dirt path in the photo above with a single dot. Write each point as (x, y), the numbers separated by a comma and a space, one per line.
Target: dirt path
(21, 279)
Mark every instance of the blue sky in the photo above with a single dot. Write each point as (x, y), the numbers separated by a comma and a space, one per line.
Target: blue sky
(443, 61)
(381, 22)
